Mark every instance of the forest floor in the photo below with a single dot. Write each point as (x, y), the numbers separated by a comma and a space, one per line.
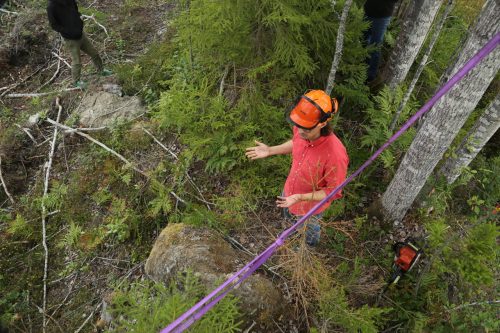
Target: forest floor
(34, 61)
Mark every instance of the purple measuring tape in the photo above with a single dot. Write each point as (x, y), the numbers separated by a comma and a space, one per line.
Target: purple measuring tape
(200, 308)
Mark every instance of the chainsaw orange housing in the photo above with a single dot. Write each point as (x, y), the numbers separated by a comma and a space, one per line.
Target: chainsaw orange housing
(405, 259)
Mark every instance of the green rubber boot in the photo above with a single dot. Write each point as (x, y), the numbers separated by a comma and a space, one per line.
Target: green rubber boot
(106, 72)
(81, 84)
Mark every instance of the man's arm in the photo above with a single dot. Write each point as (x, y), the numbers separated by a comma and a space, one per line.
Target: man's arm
(262, 150)
(52, 18)
(294, 198)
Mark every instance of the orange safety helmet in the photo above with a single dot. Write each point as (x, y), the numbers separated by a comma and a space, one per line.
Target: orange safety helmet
(312, 108)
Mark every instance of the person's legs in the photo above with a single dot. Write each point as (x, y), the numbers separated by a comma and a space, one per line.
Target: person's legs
(73, 47)
(313, 230)
(88, 48)
(375, 37)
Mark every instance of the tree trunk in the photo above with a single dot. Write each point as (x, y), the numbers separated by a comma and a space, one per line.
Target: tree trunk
(421, 66)
(410, 40)
(445, 118)
(478, 136)
(339, 46)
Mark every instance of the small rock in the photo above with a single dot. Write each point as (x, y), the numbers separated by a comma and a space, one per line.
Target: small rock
(33, 120)
(113, 89)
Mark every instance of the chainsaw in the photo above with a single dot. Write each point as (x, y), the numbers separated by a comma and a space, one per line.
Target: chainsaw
(406, 256)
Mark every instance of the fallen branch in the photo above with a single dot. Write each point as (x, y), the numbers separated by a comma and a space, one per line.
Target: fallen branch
(95, 21)
(62, 59)
(41, 94)
(88, 318)
(474, 304)
(8, 12)
(174, 155)
(53, 76)
(86, 129)
(18, 83)
(3, 183)
(25, 130)
(88, 137)
(44, 214)
(202, 199)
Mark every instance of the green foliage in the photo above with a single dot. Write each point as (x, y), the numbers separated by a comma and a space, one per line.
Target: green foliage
(121, 221)
(20, 228)
(161, 203)
(335, 310)
(149, 306)
(380, 117)
(72, 237)
(460, 269)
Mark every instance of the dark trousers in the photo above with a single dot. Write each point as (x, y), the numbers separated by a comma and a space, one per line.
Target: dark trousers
(374, 36)
(74, 47)
(313, 227)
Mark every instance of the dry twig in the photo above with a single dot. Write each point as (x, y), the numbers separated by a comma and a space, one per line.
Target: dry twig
(91, 17)
(41, 94)
(62, 59)
(88, 137)
(3, 183)
(44, 214)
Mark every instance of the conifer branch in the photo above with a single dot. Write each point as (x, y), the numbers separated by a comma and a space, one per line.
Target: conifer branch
(339, 47)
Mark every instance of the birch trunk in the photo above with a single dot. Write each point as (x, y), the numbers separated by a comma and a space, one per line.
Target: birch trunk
(339, 47)
(446, 118)
(410, 40)
(478, 136)
(422, 65)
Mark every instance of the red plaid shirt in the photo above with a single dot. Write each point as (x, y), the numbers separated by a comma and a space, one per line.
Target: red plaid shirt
(317, 165)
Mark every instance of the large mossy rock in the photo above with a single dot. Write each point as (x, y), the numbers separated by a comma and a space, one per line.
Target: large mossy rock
(183, 247)
(103, 108)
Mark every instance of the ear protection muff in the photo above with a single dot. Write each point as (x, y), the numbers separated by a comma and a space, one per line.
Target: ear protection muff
(323, 116)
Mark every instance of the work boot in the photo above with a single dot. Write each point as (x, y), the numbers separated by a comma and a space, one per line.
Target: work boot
(81, 84)
(106, 72)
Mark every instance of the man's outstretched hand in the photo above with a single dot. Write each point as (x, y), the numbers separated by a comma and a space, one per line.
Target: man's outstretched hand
(260, 151)
(284, 202)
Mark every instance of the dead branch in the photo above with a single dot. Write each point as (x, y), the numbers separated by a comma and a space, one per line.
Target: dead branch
(4, 184)
(18, 83)
(25, 130)
(202, 199)
(8, 12)
(95, 21)
(161, 144)
(62, 59)
(41, 94)
(44, 214)
(88, 318)
(88, 137)
(53, 76)
(86, 129)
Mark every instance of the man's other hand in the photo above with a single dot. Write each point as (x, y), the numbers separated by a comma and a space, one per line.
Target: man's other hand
(260, 151)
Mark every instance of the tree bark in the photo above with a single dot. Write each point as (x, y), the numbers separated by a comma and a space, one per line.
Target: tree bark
(446, 118)
(339, 47)
(471, 145)
(422, 65)
(410, 40)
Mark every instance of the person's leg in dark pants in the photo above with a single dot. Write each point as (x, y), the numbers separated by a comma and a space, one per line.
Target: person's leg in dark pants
(87, 47)
(374, 36)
